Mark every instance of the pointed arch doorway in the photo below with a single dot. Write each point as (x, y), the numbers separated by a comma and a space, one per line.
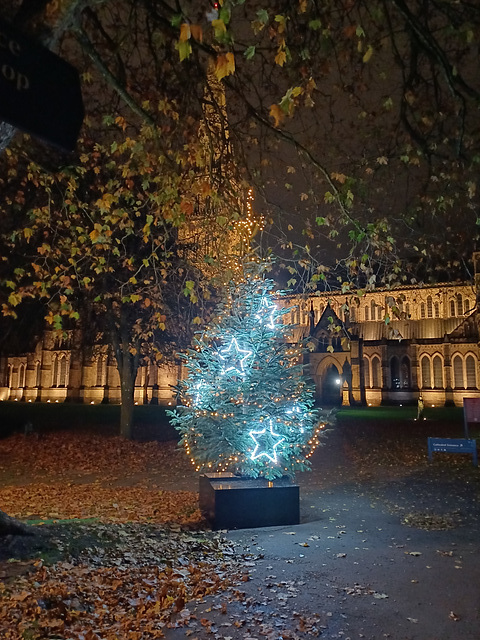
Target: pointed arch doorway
(332, 387)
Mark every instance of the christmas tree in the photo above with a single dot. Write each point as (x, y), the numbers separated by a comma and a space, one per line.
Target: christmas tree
(247, 405)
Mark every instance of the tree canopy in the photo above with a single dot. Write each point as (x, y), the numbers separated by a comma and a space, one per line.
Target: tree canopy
(355, 121)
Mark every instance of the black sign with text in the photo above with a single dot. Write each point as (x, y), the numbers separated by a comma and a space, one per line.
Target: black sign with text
(39, 92)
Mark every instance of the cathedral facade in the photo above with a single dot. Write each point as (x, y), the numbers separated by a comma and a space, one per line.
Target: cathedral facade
(384, 347)
(391, 346)
(56, 371)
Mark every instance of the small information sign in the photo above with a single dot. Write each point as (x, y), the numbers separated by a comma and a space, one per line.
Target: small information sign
(452, 445)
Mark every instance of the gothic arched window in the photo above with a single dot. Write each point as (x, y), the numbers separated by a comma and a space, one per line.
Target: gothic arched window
(366, 371)
(437, 372)
(395, 373)
(459, 304)
(429, 307)
(426, 375)
(54, 370)
(62, 371)
(376, 373)
(458, 372)
(38, 373)
(405, 373)
(471, 372)
(21, 376)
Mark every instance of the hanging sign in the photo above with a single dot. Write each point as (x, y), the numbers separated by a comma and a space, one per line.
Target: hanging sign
(39, 92)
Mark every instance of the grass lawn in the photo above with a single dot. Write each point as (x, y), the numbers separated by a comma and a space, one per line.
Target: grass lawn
(397, 414)
(151, 421)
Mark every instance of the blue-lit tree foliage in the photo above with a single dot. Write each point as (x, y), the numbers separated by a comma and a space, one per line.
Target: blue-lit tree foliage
(247, 405)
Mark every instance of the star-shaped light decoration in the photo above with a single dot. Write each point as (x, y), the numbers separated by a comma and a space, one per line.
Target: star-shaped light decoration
(266, 312)
(236, 357)
(266, 443)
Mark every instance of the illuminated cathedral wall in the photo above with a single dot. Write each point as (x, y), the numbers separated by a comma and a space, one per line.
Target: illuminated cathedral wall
(430, 347)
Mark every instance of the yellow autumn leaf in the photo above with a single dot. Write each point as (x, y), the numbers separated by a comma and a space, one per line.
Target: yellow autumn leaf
(185, 32)
(219, 26)
(225, 65)
(121, 122)
(277, 114)
(14, 299)
(197, 320)
(184, 50)
(280, 20)
(28, 233)
(281, 57)
(368, 53)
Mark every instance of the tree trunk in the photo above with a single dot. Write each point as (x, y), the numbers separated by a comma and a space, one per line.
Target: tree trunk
(10, 526)
(127, 355)
(127, 386)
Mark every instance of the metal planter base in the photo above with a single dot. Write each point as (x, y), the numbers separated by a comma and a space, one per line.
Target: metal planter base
(228, 501)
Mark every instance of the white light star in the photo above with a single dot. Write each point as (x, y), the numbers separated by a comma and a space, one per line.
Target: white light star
(267, 436)
(267, 309)
(233, 352)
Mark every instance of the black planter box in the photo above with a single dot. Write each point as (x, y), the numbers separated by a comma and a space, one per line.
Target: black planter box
(228, 501)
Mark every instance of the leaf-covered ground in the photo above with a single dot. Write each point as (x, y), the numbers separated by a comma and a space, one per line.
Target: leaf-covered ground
(116, 581)
(121, 550)
(114, 556)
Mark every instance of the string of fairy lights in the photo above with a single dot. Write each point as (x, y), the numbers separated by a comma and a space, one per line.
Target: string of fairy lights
(244, 230)
(250, 224)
